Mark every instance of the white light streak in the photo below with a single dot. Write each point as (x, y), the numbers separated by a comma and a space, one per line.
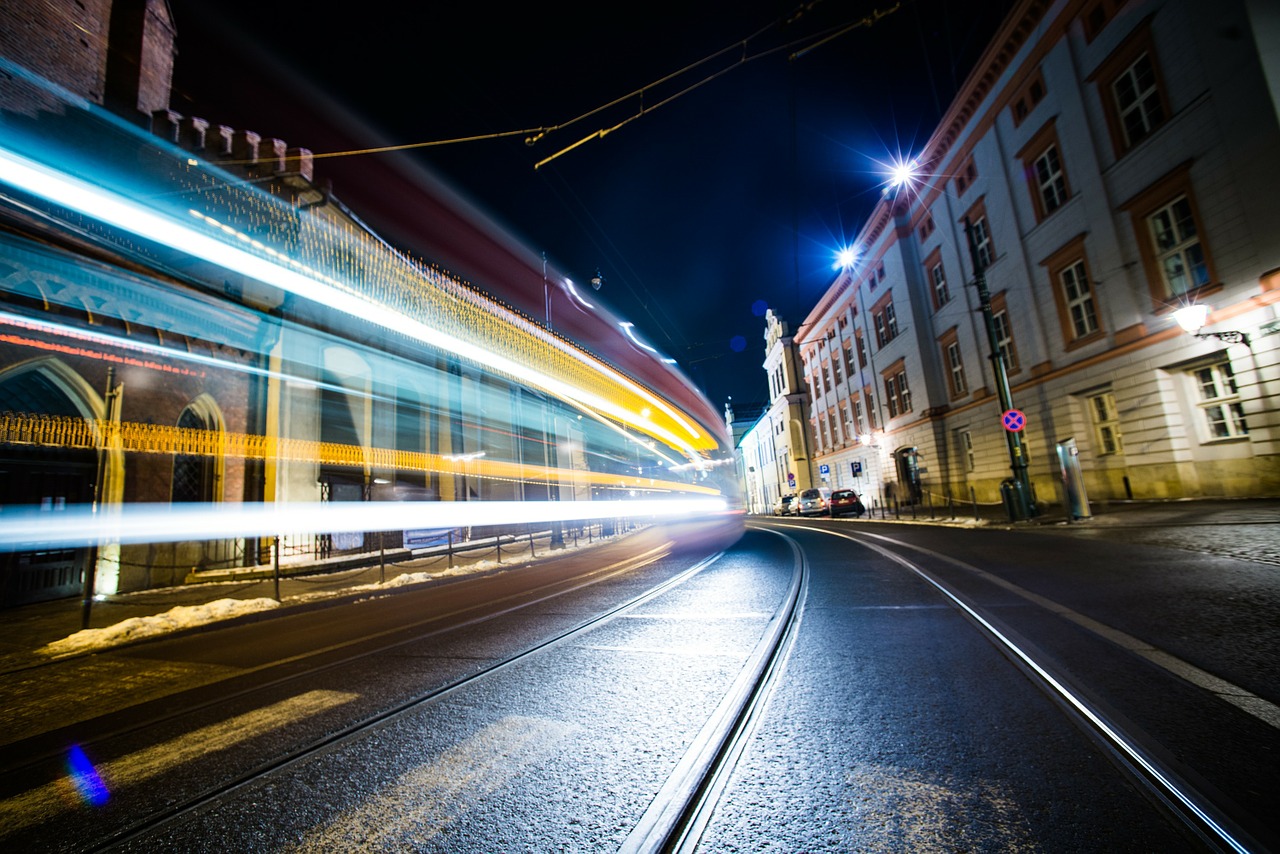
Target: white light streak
(24, 530)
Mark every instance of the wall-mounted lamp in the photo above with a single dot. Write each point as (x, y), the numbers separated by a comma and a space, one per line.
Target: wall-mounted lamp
(1192, 319)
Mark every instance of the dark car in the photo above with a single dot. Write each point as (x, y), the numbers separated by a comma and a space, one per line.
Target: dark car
(845, 501)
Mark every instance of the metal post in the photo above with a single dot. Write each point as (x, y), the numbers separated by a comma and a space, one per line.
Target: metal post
(1022, 507)
(91, 569)
(973, 496)
(275, 564)
(382, 557)
(451, 548)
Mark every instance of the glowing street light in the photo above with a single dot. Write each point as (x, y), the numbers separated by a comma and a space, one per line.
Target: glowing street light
(1192, 319)
(846, 258)
(902, 173)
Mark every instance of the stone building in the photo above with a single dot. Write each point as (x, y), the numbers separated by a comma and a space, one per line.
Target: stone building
(1106, 165)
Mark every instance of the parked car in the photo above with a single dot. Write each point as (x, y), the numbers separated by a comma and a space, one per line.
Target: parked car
(784, 506)
(845, 501)
(813, 502)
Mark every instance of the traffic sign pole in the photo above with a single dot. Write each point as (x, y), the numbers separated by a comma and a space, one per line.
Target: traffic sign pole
(1020, 506)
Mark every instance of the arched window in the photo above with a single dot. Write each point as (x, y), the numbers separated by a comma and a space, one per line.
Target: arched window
(195, 475)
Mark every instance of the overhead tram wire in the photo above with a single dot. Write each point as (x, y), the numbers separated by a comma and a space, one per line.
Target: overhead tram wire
(534, 135)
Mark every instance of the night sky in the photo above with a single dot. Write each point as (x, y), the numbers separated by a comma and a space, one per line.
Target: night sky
(728, 198)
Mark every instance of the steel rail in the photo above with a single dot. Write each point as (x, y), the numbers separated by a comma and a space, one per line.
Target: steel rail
(1180, 799)
(679, 814)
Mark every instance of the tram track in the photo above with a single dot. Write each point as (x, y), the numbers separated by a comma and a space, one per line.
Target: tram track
(679, 810)
(1163, 783)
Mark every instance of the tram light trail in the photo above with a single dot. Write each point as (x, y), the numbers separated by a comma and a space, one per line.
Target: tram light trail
(79, 525)
(237, 252)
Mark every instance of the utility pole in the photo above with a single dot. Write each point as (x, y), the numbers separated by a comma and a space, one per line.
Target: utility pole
(1016, 491)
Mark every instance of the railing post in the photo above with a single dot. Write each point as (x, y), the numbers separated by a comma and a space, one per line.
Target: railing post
(451, 548)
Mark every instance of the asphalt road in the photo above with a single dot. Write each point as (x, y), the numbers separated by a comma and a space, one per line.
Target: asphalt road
(897, 723)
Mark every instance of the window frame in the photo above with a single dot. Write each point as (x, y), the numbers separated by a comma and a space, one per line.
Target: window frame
(1104, 420)
(1110, 70)
(939, 292)
(1231, 404)
(1044, 141)
(981, 225)
(1141, 208)
(953, 363)
(1068, 256)
(896, 389)
(999, 309)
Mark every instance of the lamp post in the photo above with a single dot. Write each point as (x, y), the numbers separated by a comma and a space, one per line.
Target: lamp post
(1019, 503)
(1192, 319)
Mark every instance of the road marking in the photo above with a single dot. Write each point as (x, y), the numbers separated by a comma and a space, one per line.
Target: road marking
(419, 804)
(45, 802)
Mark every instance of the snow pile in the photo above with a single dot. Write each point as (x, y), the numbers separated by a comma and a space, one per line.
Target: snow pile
(136, 628)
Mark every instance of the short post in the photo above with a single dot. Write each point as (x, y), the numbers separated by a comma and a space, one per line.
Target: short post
(451, 548)
(275, 563)
(532, 553)
(382, 557)
(973, 496)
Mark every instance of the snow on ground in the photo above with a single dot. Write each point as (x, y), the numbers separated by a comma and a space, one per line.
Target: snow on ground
(136, 628)
(189, 616)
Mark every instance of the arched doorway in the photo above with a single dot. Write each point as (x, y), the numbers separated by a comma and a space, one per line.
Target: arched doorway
(44, 477)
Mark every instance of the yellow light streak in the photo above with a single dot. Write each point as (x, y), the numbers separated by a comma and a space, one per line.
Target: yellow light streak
(58, 431)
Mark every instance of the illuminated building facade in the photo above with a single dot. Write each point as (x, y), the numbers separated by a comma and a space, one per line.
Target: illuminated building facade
(788, 451)
(1113, 162)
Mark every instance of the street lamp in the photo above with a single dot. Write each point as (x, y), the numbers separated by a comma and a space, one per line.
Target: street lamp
(1192, 319)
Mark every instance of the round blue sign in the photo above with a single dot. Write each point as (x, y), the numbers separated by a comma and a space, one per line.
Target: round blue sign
(1013, 420)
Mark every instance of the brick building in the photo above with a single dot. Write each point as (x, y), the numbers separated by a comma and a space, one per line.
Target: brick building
(1113, 160)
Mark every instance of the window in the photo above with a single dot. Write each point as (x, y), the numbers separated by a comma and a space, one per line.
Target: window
(1078, 297)
(941, 292)
(965, 177)
(966, 449)
(1004, 333)
(858, 416)
(1177, 245)
(955, 368)
(1044, 170)
(836, 379)
(862, 349)
(1097, 15)
(872, 421)
(1031, 94)
(1219, 401)
(926, 228)
(848, 361)
(1171, 238)
(896, 392)
(1138, 100)
(1132, 92)
(1106, 423)
(937, 278)
(886, 320)
(980, 234)
(1074, 293)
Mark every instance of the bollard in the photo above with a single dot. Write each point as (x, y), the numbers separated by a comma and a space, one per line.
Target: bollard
(973, 496)
(532, 553)
(382, 557)
(275, 563)
(451, 548)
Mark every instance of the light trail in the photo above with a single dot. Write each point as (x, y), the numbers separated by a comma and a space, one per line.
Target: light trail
(79, 525)
(237, 252)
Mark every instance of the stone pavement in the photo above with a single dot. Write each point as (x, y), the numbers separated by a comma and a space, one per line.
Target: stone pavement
(1248, 529)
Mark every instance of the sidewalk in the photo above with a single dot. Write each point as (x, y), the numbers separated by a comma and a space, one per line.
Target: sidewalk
(26, 629)
(117, 619)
